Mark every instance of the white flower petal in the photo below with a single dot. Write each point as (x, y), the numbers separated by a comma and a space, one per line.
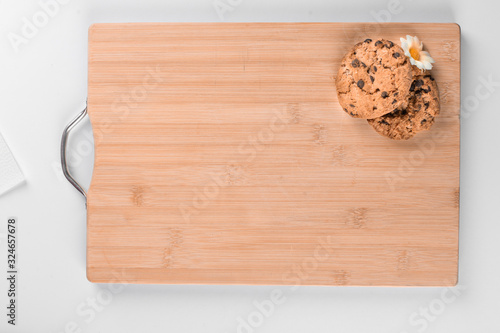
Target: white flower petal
(419, 64)
(405, 46)
(413, 61)
(427, 60)
(427, 65)
(407, 53)
(427, 57)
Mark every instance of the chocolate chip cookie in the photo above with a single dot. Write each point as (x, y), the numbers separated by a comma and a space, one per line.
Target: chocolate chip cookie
(374, 78)
(418, 116)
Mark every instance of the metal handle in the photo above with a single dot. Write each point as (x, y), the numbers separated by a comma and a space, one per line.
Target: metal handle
(64, 141)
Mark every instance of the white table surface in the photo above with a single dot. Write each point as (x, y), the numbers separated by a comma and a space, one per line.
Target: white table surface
(43, 85)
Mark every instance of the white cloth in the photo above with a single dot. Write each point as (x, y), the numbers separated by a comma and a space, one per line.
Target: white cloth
(10, 173)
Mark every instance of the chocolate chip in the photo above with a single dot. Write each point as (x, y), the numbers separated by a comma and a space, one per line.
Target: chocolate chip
(363, 64)
(385, 94)
(372, 78)
(394, 101)
(423, 121)
(368, 40)
(361, 84)
(355, 63)
(375, 69)
(374, 108)
(412, 87)
(352, 105)
(419, 83)
(389, 45)
(346, 110)
(426, 105)
(404, 112)
(384, 122)
(352, 114)
(432, 79)
(396, 55)
(377, 43)
(396, 93)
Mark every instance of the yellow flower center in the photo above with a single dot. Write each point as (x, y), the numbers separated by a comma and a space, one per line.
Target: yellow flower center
(415, 54)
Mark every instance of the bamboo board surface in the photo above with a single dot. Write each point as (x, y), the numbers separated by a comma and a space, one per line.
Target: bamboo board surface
(222, 156)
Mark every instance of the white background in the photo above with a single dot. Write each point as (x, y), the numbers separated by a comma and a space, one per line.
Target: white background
(43, 86)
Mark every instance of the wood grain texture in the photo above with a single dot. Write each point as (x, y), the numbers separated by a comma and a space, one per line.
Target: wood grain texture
(222, 156)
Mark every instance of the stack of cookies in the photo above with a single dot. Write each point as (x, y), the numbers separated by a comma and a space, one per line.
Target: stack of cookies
(377, 82)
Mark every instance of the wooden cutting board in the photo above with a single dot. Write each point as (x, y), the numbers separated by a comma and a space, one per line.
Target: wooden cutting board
(222, 156)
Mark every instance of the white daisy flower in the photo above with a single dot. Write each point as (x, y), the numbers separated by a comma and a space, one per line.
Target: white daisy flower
(413, 50)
